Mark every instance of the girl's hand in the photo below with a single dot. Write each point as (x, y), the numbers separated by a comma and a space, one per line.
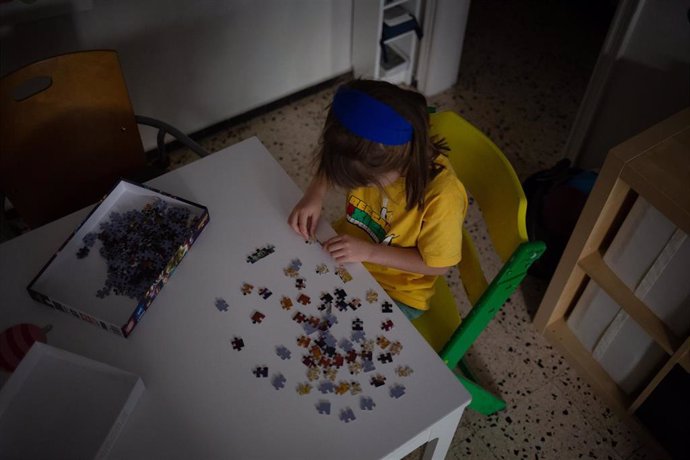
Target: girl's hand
(346, 248)
(304, 218)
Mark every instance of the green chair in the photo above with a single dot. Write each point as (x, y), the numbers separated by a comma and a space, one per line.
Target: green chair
(491, 181)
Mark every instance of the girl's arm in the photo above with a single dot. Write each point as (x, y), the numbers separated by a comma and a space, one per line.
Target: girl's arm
(346, 248)
(304, 218)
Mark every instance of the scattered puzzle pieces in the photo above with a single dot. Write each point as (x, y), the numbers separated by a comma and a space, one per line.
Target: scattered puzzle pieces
(247, 288)
(286, 303)
(304, 299)
(300, 283)
(283, 352)
(221, 304)
(278, 381)
(260, 371)
(303, 389)
(386, 307)
(237, 344)
(257, 317)
(397, 391)
(372, 296)
(346, 415)
(378, 380)
(385, 358)
(387, 325)
(326, 386)
(324, 407)
(343, 274)
(260, 253)
(403, 371)
(366, 403)
(322, 269)
(265, 293)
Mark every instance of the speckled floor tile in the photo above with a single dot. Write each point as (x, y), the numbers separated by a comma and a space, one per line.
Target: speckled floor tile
(624, 439)
(544, 425)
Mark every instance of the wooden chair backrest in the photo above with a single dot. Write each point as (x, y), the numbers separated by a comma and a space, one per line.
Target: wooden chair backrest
(68, 133)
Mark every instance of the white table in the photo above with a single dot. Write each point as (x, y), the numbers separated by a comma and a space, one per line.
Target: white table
(202, 399)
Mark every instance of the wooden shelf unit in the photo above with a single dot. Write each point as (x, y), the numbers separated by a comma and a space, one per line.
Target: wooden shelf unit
(654, 165)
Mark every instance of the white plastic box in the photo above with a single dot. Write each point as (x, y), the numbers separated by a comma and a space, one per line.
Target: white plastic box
(58, 404)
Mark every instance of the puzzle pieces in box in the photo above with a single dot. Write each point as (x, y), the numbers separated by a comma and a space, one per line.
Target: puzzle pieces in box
(237, 344)
(261, 253)
(257, 317)
(221, 304)
(278, 381)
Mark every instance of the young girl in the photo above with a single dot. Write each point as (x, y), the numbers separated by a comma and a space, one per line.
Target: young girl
(405, 206)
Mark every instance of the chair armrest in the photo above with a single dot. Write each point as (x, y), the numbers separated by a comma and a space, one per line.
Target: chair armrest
(165, 128)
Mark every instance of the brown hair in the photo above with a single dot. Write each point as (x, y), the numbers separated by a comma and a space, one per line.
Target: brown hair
(349, 161)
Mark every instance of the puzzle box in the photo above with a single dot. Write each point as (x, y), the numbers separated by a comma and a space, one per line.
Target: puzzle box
(118, 259)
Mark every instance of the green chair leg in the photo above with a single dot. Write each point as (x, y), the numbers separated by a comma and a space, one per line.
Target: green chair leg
(483, 401)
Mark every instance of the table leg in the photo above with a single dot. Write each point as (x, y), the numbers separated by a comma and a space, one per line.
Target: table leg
(441, 435)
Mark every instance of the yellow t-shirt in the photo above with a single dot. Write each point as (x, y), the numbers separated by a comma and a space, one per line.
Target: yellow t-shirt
(435, 230)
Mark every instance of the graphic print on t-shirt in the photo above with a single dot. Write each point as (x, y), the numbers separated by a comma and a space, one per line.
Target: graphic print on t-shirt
(362, 215)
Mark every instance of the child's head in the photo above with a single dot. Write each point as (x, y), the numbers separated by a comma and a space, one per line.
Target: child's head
(374, 128)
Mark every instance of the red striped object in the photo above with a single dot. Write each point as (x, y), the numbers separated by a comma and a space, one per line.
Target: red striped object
(15, 343)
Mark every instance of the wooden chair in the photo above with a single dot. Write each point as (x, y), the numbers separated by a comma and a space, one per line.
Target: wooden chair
(491, 181)
(68, 133)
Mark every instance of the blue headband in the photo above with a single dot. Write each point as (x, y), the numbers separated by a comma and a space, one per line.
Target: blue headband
(369, 118)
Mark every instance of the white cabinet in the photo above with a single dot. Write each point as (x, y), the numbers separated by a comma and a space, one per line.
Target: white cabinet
(384, 43)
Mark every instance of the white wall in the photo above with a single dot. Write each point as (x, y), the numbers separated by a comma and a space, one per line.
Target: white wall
(191, 63)
(641, 78)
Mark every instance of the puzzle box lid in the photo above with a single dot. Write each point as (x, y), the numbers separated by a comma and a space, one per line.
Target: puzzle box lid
(74, 282)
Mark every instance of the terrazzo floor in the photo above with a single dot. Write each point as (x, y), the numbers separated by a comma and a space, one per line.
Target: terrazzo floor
(525, 67)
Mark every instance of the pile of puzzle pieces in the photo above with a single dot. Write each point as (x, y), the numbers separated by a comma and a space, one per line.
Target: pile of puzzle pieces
(332, 365)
